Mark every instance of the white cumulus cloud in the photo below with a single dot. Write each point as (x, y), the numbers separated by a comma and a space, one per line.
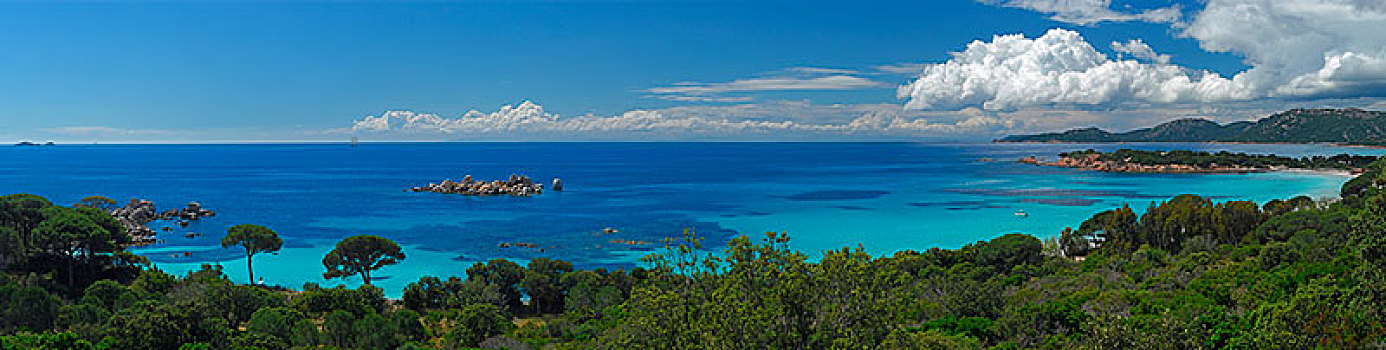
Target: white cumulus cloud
(744, 121)
(1059, 67)
(1139, 49)
(1300, 48)
(1294, 50)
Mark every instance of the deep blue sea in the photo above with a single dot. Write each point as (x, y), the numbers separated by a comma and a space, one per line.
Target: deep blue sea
(884, 196)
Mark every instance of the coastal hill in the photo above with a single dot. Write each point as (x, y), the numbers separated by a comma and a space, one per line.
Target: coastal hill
(1350, 126)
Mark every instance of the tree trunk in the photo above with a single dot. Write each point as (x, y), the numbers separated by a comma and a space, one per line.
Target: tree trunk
(366, 276)
(249, 269)
(69, 271)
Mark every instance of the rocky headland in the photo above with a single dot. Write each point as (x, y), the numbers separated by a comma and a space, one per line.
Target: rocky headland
(1092, 162)
(1136, 161)
(515, 185)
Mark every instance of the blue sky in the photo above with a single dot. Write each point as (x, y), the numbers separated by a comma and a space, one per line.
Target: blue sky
(148, 72)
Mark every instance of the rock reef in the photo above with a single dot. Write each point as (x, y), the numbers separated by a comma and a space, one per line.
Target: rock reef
(515, 185)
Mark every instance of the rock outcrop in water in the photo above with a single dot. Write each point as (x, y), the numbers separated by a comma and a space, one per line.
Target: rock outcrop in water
(192, 211)
(516, 185)
(138, 212)
(133, 216)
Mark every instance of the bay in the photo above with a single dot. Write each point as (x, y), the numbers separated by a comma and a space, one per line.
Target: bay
(885, 197)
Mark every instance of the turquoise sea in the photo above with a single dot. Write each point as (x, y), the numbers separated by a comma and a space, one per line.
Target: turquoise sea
(884, 196)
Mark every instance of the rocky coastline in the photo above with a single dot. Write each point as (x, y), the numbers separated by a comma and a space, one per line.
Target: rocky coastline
(1094, 162)
(515, 185)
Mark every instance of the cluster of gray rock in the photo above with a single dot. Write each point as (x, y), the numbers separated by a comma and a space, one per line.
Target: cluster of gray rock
(192, 211)
(516, 185)
(137, 213)
(521, 186)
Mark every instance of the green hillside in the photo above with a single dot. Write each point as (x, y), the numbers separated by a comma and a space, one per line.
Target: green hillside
(1352, 126)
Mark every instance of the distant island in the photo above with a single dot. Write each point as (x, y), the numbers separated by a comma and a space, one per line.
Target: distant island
(1344, 126)
(1137, 161)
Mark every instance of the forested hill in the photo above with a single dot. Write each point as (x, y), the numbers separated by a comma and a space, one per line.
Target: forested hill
(1350, 126)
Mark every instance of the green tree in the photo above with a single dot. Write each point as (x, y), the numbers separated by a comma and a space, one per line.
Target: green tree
(588, 294)
(429, 292)
(30, 308)
(255, 239)
(375, 332)
(337, 329)
(1112, 227)
(77, 236)
(45, 341)
(97, 202)
(108, 295)
(474, 323)
(153, 325)
(406, 323)
(19, 215)
(542, 282)
(361, 301)
(503, 276)
(360, 255)
(279, 323)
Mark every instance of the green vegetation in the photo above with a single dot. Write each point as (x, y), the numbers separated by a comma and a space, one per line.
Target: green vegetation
(1225, 158)
(1349, 126)
(1184, 273)
(255, 239)
(359, 255)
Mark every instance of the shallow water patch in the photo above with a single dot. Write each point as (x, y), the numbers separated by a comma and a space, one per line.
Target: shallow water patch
(1068, 202)
(836, 195)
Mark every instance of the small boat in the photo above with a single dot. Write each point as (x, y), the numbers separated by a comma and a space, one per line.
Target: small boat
(1021, 214)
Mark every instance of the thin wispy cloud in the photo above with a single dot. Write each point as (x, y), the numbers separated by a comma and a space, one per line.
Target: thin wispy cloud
(831, 82)
(909, 68)
(821, 70)
(105, 131)
(693, 98)
(788, 79)
(1090, 12)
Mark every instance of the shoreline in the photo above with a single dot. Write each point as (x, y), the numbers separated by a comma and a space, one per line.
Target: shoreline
(1321, 172)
